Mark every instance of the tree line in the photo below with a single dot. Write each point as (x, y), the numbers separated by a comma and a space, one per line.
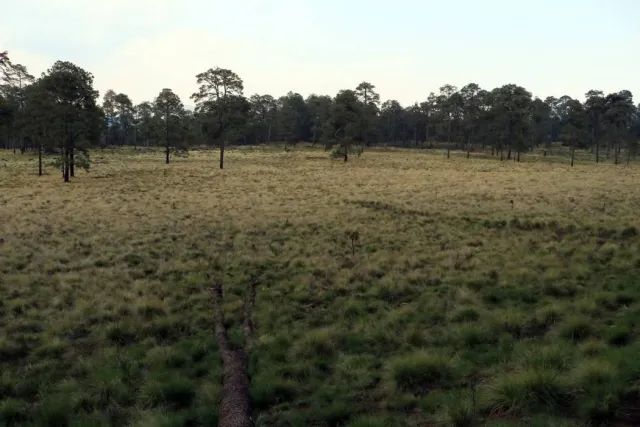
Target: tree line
(60, 112)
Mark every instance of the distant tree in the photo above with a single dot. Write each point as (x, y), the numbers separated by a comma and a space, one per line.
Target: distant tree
(70, 93)
(169, 110)
(540, 122)
(596, 107)
(447, 105)
(342, 127)
(391, 116)
(319, 107)
(293, 118)
(470, 113)
(41, 124)
(125, 110)
(618, 118)
(262, 116)
(217, 97)
(5, 63)
(15, 79)
(574, 126)
(427, 108)
(146, 123)
(370, 99)
(635, 128)
(110, 116)
(512, 105)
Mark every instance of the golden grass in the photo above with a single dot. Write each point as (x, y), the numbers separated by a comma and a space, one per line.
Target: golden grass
(112, 270)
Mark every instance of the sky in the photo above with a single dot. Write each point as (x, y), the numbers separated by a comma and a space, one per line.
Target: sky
(406, 48)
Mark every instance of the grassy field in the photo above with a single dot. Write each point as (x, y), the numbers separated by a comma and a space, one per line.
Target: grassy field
(398, 289)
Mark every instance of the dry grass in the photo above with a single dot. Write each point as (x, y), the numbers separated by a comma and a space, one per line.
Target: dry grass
(106, 317)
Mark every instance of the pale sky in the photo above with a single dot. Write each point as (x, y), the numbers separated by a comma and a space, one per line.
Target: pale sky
(407, 48)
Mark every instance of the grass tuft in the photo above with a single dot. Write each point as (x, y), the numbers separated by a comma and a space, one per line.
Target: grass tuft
(422, 371)
(530, 390)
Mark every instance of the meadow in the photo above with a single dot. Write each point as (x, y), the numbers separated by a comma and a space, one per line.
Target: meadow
(400, 288)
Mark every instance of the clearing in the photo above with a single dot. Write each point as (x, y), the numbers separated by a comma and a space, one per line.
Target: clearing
(398, 289)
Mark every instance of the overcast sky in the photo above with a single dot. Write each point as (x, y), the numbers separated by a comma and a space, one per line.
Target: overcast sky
(407, 48)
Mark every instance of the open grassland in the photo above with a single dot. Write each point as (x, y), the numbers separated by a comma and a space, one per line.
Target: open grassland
(398, 289)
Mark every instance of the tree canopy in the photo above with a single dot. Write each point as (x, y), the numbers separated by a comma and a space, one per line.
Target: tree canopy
(58, 111)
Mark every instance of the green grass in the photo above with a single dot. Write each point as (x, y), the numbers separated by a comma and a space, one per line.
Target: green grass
(453, 306)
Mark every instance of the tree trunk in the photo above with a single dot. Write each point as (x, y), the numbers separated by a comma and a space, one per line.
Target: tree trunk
(269, 134)
(167, 151)
(346, 152)
(66, 162)
(222, 154)
(509, 152)
(235, 407)
(573, 154)
(616, 151)
(72, 165)
(448, 153)
(426, 134)
(40, 158)
(501, 154)
(518, 157)
(597, 151)
(628, 155)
